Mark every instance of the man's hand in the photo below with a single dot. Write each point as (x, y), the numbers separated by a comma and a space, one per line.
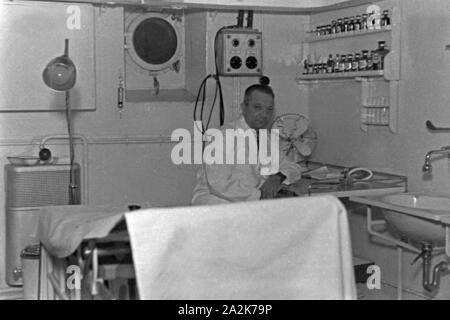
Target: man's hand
(302, 186)
(271, 186)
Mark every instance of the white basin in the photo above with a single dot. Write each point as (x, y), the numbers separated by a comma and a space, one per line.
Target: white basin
(417, 216)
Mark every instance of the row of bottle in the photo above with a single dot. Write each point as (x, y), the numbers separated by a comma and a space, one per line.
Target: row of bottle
(350, 62)
(366, 21)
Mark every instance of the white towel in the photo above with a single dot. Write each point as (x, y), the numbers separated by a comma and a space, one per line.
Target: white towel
(296, 248)
(61, 229)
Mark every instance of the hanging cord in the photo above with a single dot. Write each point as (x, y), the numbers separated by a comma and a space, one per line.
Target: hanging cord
(218, 91)
(72, 187)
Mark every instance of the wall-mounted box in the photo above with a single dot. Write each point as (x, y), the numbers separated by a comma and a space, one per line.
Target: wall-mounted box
(239, 52)
(31, 34)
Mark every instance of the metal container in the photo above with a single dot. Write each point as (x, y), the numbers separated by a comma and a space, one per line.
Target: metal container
(30, 257)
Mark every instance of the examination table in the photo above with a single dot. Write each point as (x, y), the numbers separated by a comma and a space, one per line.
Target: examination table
(291, 248)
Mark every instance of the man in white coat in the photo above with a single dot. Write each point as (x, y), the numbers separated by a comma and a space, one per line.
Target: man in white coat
(225, 183)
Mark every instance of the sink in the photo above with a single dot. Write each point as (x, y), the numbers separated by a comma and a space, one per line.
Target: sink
(417, 216)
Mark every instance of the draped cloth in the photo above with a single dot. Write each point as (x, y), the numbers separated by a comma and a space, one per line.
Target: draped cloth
(293, 248)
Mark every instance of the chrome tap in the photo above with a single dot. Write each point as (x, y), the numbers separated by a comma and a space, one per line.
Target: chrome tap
(427, 165)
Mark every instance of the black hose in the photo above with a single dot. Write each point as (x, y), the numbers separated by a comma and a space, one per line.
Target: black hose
(72, 187)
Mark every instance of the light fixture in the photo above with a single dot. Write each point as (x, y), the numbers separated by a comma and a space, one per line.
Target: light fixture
(60, 73)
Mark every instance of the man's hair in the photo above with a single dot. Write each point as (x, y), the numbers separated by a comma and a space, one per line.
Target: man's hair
(257, 87)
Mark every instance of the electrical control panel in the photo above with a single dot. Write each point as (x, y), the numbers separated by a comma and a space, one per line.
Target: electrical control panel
(239, 52)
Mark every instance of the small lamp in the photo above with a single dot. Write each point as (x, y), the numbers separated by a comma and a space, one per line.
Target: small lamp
(60, 73)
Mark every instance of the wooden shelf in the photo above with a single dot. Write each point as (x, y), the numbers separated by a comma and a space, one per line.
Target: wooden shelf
(342, 35)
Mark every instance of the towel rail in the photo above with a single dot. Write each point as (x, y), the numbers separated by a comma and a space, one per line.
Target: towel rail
(432, 127)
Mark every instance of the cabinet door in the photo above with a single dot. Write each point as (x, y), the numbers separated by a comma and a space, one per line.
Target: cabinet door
(33, 33)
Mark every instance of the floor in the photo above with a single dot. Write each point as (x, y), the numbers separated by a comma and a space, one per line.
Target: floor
(387, 292)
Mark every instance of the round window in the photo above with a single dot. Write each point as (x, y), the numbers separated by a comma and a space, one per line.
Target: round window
(154, 42)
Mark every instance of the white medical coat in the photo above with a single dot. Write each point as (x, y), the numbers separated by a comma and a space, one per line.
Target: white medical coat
(237, 182)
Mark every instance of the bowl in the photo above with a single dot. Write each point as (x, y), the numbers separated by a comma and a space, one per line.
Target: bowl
(24, 160)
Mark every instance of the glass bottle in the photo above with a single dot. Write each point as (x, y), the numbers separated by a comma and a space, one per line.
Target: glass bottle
(357, 26)
(362, 65)
(351, 24)
(371, 20)
(333, 26)
(355, 62)
(305, 67)
(318, 30)
(381, 53)
(345, 29)
(337, 60)
(376, 60)
(310, 68)
(342, 63)
(385, 20)
(364, 21)
(370, 61)
(339, 25)
(348, 63)
(330, 64)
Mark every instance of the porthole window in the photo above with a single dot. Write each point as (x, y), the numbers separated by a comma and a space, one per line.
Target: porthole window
(154, 42)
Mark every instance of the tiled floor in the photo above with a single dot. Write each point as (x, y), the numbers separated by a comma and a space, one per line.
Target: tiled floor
(387, 292)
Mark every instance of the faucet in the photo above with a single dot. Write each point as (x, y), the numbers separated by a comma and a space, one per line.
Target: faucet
(427, 165)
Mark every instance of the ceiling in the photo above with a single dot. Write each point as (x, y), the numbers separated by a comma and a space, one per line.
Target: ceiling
(299, 6)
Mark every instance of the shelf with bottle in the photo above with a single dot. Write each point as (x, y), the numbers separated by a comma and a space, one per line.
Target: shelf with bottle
(341, 66)
(367, 53)
(371, 21)
(313, 37)
(342, 75)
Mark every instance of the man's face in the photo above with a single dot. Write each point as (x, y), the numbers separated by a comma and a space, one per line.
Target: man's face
(259, 110)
